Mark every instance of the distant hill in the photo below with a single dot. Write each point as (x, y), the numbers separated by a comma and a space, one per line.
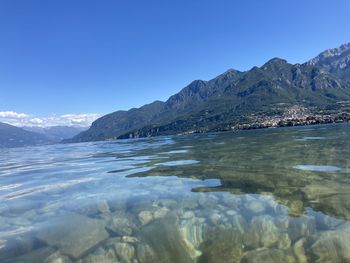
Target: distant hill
(57, 133)
(11, 136)
(267, 96)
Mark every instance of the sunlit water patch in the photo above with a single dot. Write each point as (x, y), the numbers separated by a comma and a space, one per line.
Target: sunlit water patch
(248, 196)
(318, 168)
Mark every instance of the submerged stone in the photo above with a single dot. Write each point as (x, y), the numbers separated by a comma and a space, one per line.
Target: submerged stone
(299, 250)
(300, 227)
(125, 252)
(261, 233)
(100, 256)
(264, 255)
(332, 246)
(225, 245)
(37, 255)
(120, 224)
(161, 212)
(73, 234)
(166, 242)
(145, 217)
(57, 257)
(255, 206)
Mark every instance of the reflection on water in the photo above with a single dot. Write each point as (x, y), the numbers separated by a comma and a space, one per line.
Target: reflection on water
(274, 195)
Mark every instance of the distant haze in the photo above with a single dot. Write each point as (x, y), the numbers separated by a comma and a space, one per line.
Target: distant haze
(28, 120)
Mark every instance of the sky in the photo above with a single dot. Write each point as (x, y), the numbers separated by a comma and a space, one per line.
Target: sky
(71, 61)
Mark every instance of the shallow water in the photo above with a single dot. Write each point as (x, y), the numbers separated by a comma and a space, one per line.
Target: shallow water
(272, 195)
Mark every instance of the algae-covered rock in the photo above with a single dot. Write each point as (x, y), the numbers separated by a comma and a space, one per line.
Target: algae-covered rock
(125, 252)
(299, 251)
(100, 256)
(264, 255)
(145, 253)
(57, 257)
(255, 206)
(332, 246)
(225, 245)
(166, 243)
(145, 217)
(261, 233)
(300, 227)
(38, 255)
(120, 224)
(161, 212)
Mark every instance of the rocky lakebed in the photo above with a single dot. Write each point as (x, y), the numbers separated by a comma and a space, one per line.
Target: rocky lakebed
(274, 195)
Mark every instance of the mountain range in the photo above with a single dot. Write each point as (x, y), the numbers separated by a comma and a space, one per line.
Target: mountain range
(11, 136)
(274, 94)
(56, 133)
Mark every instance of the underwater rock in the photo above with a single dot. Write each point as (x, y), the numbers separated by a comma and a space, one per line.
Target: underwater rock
(161, 212)
(188, 215)
(57, 257)
(207, 201)
(231, 201)
(169, 203)
(37, 255)
(145, 254)
(165, 240)
(16, 246)
(125, 252)
(296, 208)
(224, 245)
(326, 222)
(300, 227)
(188, 203)
(145, 217)
(334, 197)
(284, 241)
(73, 234)
(332, 246)
(129, 239)
(262, 232)
(118, 203)
(255, 206)
(238, 224)
(299, 250)
(264, 255)
(103, 207)
(282, 222)
(100, 256)
(120, 224)
(192, 232)
(231, 212)
(215, 218)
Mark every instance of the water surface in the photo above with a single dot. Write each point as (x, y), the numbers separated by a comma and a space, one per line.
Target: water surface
(273, 195)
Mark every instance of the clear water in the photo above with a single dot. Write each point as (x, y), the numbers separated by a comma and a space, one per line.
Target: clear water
(273, 195)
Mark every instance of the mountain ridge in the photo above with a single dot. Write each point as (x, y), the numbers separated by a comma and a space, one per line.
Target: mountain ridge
(12, 136)
(231, 99)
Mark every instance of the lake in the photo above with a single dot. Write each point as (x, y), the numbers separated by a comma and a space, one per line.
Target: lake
(269, 195)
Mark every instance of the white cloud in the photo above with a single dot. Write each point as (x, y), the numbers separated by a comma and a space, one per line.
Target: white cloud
(23, 119)
(13, 115)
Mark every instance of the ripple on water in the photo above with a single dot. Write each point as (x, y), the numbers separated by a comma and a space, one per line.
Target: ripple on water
(310, 138)
(179, 162)
(318, 168)
(175, 152)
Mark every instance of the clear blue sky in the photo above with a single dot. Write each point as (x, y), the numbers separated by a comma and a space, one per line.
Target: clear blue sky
(79, 56)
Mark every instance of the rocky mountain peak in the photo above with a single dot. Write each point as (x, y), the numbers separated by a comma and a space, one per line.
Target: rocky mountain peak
(342, 52)
(335, 60)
